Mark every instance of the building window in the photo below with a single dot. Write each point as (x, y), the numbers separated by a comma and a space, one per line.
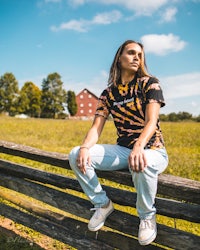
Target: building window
(81, 105)
(81, 96)
(90, 104)
(82, 111)
(90, 111)
(89, 96)
(85, 91)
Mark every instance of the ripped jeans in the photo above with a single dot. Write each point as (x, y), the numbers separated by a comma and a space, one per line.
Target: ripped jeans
(107, 157)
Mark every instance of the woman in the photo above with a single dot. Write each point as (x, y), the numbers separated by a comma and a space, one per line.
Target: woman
(133, 98)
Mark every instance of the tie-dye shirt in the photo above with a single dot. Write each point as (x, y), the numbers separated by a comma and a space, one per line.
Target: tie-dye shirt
(126, 104)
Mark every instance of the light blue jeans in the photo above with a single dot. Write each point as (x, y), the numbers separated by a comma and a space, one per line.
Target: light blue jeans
(114, 157)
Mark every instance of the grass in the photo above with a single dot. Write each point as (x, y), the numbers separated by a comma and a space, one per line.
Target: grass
(182, 139)
(183, 146)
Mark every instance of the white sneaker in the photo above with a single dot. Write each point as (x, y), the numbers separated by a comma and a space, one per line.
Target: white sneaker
(147, 231)
(99, 217)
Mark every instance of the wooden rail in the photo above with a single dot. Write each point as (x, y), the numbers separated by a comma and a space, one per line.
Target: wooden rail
(180, 199)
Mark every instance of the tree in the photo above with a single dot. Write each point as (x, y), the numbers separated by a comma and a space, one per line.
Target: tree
(30, 100)
(9, 94)
(53, 96)
(173, 117)
(197, 118)
(164, 117)
(184, 116)
(71, 103)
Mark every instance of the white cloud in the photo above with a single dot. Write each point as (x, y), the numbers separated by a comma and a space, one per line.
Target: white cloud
(76, 2)
(142, 7)
(162, 44)
(181, 85)
(182, 93)
(169, 15)
(53, 1)
(107, 17)
(194, 104)
(77, 25)
(83, 25)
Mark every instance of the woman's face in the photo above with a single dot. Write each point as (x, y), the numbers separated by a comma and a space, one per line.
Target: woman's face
(130, 58)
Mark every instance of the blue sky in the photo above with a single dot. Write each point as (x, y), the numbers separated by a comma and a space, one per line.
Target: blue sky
(78, 39)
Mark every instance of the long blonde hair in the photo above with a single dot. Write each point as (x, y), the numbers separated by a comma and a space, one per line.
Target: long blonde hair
(115, 69)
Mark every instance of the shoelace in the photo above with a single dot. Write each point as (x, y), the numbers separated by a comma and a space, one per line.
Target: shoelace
(97, 212)
(146, 224)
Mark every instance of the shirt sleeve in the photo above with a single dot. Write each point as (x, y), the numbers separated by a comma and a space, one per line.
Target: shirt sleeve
(154, 92)
(102, 105)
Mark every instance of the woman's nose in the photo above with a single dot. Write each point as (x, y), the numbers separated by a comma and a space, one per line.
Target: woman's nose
(136, 57)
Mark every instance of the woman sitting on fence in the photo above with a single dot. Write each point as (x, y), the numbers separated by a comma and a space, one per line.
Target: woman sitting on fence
(133, 98)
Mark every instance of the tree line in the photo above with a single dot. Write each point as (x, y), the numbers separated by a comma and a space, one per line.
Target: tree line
(51, 101)
(180, 116)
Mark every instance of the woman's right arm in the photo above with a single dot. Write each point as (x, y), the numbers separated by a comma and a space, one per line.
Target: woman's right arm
(91, 138)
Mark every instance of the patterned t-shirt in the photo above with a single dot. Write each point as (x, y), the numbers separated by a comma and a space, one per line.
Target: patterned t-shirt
(126, 104)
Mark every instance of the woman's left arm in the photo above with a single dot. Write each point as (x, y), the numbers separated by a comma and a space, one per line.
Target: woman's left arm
(137, 159)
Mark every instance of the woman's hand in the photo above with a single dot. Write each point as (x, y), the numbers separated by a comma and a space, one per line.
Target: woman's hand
(83, 159)
(91, 138)
(137, 159)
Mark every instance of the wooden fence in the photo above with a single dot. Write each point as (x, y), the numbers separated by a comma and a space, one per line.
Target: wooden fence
(182, 201)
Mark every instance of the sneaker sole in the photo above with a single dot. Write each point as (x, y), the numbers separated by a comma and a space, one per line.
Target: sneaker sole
(148, 241)
(94, 229)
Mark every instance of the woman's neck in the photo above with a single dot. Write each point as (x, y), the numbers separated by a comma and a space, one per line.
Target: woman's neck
(126, 78)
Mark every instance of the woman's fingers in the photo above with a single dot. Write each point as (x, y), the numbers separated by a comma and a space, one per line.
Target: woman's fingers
(137, 162)
(83, 161)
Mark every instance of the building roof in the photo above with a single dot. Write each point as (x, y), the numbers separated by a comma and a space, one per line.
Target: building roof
(96, 97)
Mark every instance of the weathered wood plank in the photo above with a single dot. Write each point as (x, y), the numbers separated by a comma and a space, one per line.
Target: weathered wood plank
(118, 220)
(175, 187)
(164, 206)
(53, 230)
(53, 158)
(108, 237)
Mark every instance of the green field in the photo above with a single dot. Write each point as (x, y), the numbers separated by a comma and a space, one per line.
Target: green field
(182, 139)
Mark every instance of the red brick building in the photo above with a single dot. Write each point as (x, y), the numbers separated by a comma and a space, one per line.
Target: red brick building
(87, 103)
